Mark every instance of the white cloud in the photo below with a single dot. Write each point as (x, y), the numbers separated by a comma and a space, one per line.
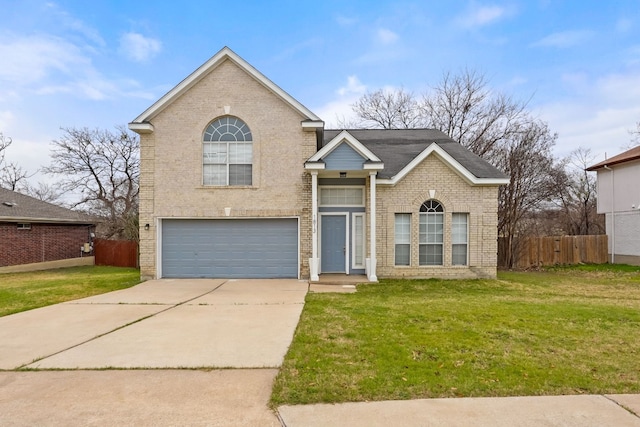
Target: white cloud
(386, 36)
(353, 87)
(481, 16)
(565, 39)
(6, 119)
(33, 58)
(598, 118)
(66, 21)
(139, 48)
(338, 110)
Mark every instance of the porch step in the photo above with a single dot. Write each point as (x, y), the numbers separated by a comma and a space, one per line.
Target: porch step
(337, 283)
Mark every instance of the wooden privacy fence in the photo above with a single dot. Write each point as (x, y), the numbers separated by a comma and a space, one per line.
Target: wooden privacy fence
(118, 253)
(539, 251)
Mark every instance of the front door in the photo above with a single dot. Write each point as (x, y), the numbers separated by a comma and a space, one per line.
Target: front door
(333, 243)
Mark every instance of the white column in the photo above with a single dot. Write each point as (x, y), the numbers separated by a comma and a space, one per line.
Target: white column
(313, 261)
(371, 273)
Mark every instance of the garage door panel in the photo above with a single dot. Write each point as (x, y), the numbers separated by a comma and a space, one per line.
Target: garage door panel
(252, 248)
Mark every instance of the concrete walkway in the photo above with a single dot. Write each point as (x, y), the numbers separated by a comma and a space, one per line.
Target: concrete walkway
(544, 411)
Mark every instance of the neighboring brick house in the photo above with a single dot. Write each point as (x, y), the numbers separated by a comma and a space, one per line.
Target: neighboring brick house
(619, 200)
(33, 231)
(238, 179)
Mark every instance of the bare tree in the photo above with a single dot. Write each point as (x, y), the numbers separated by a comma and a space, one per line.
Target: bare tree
(463, 107)
(14, 177)
(577, 199)
(388, 109)
(5, 142)
(104, 168)
(42, 191)
(635, 136)
(493, 126)
(527, 159)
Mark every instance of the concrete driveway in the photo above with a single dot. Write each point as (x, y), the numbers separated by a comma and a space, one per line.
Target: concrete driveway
(204, 324)
(160, 324)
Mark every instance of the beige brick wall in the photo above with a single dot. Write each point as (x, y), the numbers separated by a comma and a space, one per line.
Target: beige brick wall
(171, 172)
(456, 196)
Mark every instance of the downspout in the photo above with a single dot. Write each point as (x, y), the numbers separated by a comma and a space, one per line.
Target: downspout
(613, 216)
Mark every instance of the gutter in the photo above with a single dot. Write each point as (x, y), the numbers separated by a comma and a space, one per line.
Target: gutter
(46, 220)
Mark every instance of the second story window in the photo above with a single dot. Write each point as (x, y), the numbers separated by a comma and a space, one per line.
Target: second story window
(227, 153)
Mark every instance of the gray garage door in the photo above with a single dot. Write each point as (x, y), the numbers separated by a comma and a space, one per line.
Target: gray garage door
(233, 248)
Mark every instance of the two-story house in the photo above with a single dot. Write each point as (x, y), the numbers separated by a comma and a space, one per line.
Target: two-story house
(239, 179)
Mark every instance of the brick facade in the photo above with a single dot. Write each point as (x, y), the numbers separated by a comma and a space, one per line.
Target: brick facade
(40, 243)
(171, 178)
(456, 196)
(171, 172)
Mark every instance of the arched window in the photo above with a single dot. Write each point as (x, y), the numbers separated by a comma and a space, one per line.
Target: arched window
(431, 233)
(227, 153)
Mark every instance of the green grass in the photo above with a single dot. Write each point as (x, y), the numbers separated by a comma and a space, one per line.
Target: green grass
(567, 330)
(26, 291)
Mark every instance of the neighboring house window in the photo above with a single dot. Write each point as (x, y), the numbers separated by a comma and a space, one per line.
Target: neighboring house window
(431, 233)
(24, 226)
(459, 238)
(403, 239)
(227, 153)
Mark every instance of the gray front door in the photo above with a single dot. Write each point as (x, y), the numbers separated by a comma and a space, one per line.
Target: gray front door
(333, 244)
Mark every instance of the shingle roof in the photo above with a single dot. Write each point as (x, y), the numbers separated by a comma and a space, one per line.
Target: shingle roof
(16, 207)
(627, 156)
(398, 147)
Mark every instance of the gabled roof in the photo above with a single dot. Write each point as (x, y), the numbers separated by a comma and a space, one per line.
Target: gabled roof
(344, 137)
(16, 207)
(627, 156)
(141, 123)
(403, 149)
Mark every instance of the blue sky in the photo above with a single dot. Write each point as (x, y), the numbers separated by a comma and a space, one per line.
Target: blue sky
(101, 63)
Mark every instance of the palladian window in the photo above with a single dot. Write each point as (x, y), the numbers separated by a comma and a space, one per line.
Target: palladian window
(227, 153)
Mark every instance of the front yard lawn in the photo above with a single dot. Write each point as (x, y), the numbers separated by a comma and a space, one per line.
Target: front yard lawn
(25, 291)
(561, 331)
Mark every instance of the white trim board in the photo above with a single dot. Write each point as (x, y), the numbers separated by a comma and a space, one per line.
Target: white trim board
(449, 161)
(346, 137)
(217, 59)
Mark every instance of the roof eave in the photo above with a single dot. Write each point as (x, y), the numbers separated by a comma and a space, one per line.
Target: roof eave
(217, 59)
(18, 219)
(460, 170)
(141, 128)
(606, 163)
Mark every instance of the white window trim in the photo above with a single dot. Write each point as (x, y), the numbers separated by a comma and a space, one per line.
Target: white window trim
(410, 239)
(227, 164)
(444, 235)
(364, 240)
(467, 243)
(322, 187)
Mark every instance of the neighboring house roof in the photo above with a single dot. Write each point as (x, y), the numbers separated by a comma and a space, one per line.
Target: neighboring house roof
(141, 123)
(627, 156)
(402, 149)
(16, 207)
